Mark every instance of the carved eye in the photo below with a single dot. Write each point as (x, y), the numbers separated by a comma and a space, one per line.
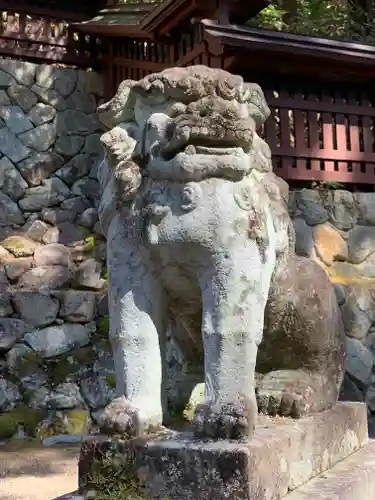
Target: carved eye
(190, 196)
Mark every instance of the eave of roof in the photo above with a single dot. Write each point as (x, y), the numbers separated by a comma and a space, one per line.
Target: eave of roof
(274, 41)
(254, 40)
(150, 20)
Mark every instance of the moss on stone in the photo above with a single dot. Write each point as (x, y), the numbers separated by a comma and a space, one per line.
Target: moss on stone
(22, 415)
(78, 420)
(111, 379)
(12, 243)
(103, 327)
(69, 422)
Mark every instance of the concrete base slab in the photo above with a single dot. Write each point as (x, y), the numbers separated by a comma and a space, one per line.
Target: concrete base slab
(351, 479)
(283, 455)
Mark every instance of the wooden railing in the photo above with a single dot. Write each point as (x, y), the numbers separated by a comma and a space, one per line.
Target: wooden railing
(321, 132)
(34, 32)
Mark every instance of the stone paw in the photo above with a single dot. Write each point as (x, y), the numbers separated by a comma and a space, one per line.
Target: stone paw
(293, 393)
(225, 420)
(120, 417)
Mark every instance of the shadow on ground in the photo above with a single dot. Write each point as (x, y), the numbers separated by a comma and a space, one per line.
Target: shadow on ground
(20, 459)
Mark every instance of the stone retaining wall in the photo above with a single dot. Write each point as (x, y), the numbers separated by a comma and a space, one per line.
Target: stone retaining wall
(337, 229)
(54, 350)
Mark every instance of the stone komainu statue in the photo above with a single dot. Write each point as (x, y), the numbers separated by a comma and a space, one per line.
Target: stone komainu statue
(197, 227)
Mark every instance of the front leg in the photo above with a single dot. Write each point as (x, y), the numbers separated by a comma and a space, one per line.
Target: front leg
(234, 296)
(137, 313)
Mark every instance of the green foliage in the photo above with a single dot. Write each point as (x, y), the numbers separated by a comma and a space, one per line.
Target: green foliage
(103, 327)
(111, 379)
(334, 19)
(113, 478)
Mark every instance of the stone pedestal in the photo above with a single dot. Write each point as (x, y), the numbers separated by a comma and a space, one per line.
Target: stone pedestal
(283, 455)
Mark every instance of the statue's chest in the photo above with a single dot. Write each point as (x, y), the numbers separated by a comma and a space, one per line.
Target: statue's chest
(177, 213)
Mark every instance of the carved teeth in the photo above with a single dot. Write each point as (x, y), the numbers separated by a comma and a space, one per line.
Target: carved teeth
(190, 150)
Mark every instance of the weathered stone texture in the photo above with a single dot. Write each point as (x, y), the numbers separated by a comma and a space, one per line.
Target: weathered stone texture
(281, 457)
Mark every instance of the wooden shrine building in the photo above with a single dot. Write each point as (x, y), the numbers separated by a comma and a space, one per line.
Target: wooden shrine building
(320, 91)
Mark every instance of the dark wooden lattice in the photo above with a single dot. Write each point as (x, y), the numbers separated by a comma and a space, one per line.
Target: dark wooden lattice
(37, 31)
(321, 132)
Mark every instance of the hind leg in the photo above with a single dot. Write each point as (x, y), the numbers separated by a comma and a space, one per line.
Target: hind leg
(303, 353)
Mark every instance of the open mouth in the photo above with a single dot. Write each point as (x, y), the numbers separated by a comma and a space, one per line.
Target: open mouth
(196, 149)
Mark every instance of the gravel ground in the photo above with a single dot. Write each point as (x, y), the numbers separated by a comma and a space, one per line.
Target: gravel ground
(30, 472)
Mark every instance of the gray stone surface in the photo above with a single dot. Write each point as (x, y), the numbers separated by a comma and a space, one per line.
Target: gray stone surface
(52, 192)
(69, 145)
(42, 113)
(309, 203)
(65, 396)
(18, 267)
(10, 213)
(6, 80)
(11, 331)
(53, 255)
(304, 238)
(281, 457)
(11, 181)
(4, 99)
(77, 306)
(49, 96)
(82, 101)
(88, 218)
(36, 309)
(75, 168)
(356, 314)
(92, 145)
(9, 395)
(15, 119)
(39, 166)
(12, 147)
(70, 234)
(88, 274)
(48, 277)
(87, 187)
(74, 122)
(361, 243)
(40, 138)
(366, 208)
(22, 71)
(6, 308)
(56, 340)
(52, 235)
(344, 210)
(22, 95)
(359, 361)
(36, 230)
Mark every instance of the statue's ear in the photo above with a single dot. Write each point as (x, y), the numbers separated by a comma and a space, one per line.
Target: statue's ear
(120, 108)
(253, 96)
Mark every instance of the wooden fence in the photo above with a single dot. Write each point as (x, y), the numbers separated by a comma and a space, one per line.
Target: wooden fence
(41, 32)
(321, 132)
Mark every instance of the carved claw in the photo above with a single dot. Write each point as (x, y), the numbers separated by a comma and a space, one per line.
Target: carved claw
(120, 417)
(294, 393)
(231, 420)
